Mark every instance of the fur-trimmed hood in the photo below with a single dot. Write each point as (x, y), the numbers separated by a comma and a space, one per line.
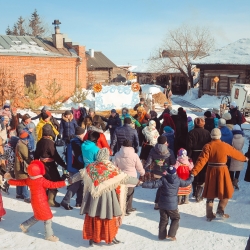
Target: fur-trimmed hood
(68, 119)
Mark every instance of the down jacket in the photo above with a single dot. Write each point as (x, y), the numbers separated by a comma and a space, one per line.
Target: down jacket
(169, 185)
(39, 129)
(226, 135)
(129, 162)
(39, 199)
(68, 127)
(126, 132)
(115, 122)
(162, 157)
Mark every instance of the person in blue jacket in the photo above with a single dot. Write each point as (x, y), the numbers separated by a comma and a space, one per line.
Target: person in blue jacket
(190, 123)
(168, 201)
(226, 133)
(169, 133)
(68, 125)
(89, 148)
(114, 122)
(74, 164)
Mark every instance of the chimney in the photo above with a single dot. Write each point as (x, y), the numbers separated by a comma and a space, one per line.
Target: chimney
(91, 53)
(57, 37)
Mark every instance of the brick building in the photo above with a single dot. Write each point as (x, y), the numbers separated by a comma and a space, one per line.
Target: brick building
(41, 60)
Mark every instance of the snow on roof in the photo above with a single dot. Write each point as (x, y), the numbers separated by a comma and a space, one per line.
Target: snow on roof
(155, 66)
(237, 53)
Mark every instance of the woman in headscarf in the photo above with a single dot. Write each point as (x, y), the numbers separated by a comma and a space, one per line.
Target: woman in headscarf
(150, 135)
(104, 198)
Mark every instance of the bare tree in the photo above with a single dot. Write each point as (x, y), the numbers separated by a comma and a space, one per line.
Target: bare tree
(180, 47)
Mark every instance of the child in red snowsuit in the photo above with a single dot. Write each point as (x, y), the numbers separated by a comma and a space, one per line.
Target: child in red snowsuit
(39, 199)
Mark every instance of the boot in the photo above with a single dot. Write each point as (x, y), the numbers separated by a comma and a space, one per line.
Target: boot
(235, 184)
(52, 238)
(180, 199)
(186, 199)
(221, 208)
(209, 210)
(198, 194)
(51, 198)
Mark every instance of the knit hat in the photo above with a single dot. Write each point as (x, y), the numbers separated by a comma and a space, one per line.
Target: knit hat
(127, 120)
(25, 117)
(47, 130)
(227, 116)
(23, 135)
(208, 114)
(6, 106)
(162, 139)
(182, 152)
(199, 122)
(79, 131)
(215, 111)
(222, 122)
(167, 129)
(216, 134)
(113, 111)
(67, 112)
(233, 104)
(236, 127)
(174, 112)
(171, 170)
(91, 110)
(189, 119)
(35, 168)
(102, 155)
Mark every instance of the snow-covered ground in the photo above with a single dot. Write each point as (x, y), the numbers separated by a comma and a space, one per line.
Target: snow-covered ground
(139, 230)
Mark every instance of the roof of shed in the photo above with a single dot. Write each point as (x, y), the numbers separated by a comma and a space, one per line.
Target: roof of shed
(99, 61)
(237, 53)
(32, 46)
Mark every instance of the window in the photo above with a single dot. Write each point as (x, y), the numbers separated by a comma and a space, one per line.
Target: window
(248, 99)
(213, 84)
(29, 79)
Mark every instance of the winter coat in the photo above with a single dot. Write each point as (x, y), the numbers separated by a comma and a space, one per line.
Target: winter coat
(190, 126)
(53, 120)
(46, 148)
(22, 126)
(3, 133)
(22, 154)
(166, 111)
(89, 152)
(226, 135)
(168, 121)
(170, 139)
(101, 142)
(238, 143)
(115, 122)
(2, 210)
(169, 185)
(162, 157)
(196, 140)
(129, 162)
(126, 132)
(89, 121)
(236, 116)
(218, 183)
(74, 155)
(39, 199)
(39, 129)
(134, 121)
(67, 127)
(209, 124)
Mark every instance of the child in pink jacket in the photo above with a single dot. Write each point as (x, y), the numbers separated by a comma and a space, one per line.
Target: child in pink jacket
(183, 167)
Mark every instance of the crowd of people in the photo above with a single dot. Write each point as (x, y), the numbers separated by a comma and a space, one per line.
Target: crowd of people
(171, 152)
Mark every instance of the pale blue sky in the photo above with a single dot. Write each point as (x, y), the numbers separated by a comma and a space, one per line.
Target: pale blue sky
(128, 31)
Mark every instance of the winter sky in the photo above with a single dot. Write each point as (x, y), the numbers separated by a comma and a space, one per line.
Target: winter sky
(128, 31)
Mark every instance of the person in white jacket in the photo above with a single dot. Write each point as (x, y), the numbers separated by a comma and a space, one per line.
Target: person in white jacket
(129, 162)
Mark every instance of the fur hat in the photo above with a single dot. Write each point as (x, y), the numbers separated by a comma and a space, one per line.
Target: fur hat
(167, 129)
(162, 139)
(79, 131)
(208, 114)
(199, 122)
(189, 119)
(222, 122)
(233, 104)
(236, 127)
(227, 116)
(171, 170)
(25, 117)
(174, 112)
(47, 130)
(182, 152)
(35, 168)
(215, 134)
(23, 135)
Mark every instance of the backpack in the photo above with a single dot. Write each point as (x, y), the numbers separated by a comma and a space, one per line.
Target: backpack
(183, 172)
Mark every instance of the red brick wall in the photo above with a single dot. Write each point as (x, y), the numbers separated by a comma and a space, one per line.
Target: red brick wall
(46, 69)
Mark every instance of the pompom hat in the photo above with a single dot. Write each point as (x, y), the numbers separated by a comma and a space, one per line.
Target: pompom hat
(35, 168)
(182, 152)
(171, 170)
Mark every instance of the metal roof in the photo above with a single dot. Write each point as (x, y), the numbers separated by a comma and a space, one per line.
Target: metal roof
(98, 61)
(32, 46)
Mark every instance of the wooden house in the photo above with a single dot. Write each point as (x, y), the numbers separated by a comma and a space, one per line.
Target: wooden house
(224, 67)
